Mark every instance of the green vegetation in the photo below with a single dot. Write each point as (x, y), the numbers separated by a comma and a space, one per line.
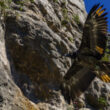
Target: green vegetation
(64, 2)
(102, 101)
(64, 22)
(69, 107)
(66, 18)
(31, 1)
(106, 56)
(22, 2)
(65, 15)
(65, 12)
(6, 4)
(71, 39)
(76, 19)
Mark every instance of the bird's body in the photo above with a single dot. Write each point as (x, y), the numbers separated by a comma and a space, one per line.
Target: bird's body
(88, 62)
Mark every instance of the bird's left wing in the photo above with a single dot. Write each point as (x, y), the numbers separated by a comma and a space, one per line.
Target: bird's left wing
(95, 32)
(94, 40)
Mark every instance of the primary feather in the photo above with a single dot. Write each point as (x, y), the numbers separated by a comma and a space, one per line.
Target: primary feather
(95, 32)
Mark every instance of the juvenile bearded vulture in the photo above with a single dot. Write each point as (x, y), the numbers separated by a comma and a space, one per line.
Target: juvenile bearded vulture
(88, 63)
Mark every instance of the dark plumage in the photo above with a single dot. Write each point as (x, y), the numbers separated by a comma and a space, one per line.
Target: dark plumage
(88, 62)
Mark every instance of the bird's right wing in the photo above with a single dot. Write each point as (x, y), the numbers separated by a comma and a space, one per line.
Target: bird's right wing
(76, 81)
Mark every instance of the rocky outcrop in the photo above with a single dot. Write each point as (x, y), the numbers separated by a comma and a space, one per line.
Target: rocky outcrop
(35, 36)
(98, 95)
(11, 97)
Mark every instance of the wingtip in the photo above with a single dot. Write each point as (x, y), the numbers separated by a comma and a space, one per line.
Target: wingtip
(103, 15)
(94, 8)
(97, 4)
(102, 6)
(100, 11)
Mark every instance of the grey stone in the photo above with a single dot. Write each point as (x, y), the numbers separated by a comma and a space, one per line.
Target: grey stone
(98, 94)
(34, 40)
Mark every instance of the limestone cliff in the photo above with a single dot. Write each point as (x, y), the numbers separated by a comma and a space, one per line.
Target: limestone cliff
(35, 35)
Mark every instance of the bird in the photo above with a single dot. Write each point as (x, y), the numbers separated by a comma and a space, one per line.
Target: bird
(88, 62)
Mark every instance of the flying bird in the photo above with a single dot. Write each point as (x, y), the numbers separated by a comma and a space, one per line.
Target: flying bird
(88, 59)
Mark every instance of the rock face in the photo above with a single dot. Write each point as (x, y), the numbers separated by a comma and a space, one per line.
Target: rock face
(10, 94)
(98, 95)
(35, 36)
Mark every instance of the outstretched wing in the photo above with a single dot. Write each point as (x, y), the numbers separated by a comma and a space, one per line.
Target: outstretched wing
(76, 81)
(94, 40)
(95, 32)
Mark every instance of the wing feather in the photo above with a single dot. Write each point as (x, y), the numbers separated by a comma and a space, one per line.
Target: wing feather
(95, 31)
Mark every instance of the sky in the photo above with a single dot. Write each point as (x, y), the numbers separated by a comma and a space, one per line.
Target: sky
(106, 3)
